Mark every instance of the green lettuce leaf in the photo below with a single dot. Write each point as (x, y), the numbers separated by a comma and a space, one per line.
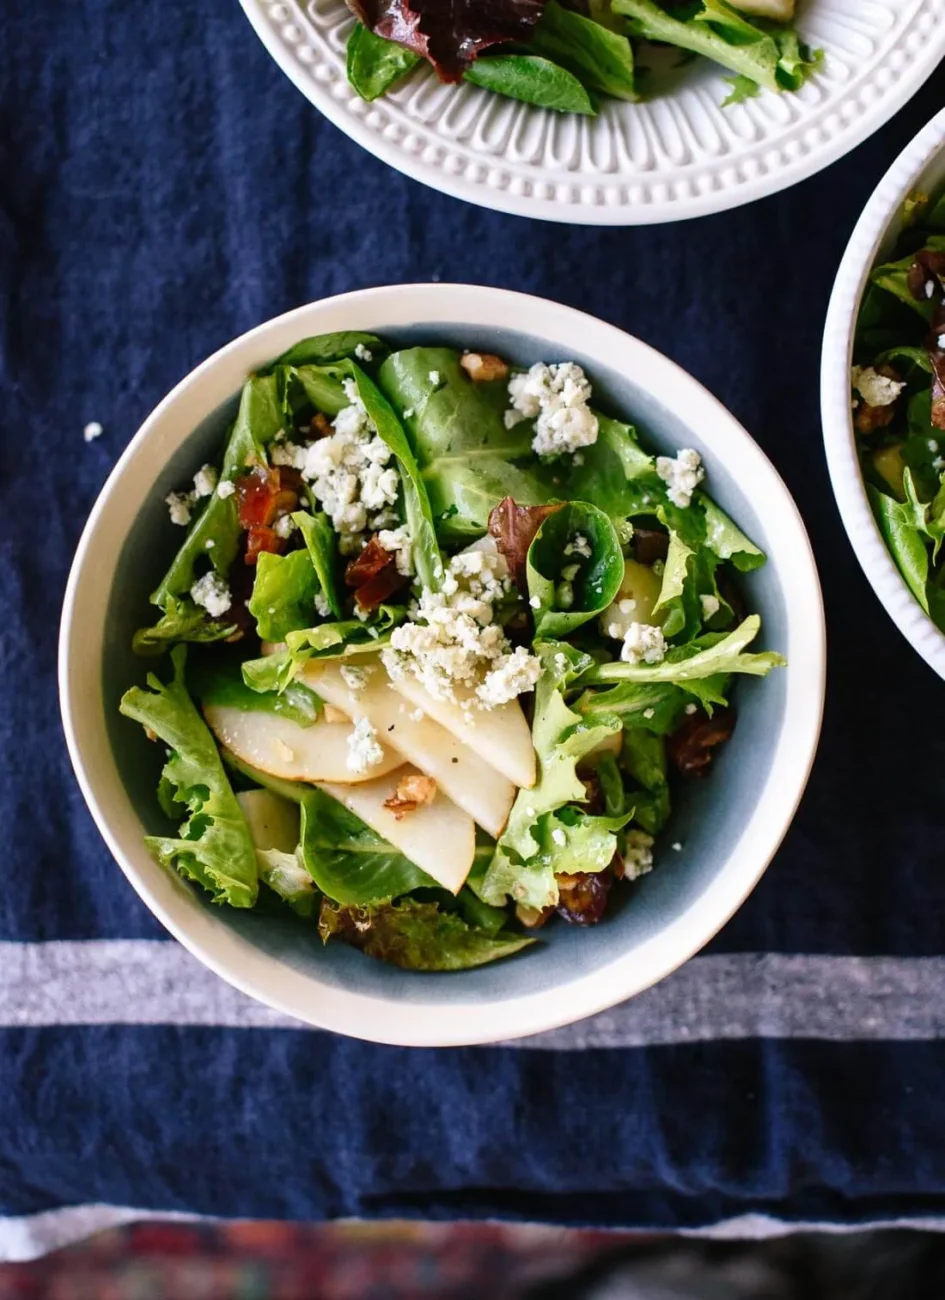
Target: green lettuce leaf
(905, 529)
(323, 349)
(214, 848)
(215, 681)
(322, 548)
(283, 598)
(213, 538)
(775, 60)
(655, 706)
(520, 869)
(643, 758)
(463, 447)
(181, 621)
(600, 58)
(342, 640)
(532, 80)
(374, 65)
(560, 607)
(726, 539)
(706, 657)
(417, 936)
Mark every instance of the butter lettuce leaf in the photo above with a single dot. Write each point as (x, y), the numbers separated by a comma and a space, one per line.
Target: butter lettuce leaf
(344, 639)
(557, 546)
(214, 847)
(283, 598)
(457, 428)
(322, 547)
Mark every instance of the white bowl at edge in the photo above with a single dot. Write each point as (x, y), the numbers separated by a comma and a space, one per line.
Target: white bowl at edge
(920, 166)
(729, 826)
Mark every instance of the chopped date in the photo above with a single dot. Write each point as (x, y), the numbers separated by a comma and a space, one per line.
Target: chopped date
(692, 748)
(583, 896)
(374, 575)
(926, 275)
(264, 494)
(649, 544)
(937, 358)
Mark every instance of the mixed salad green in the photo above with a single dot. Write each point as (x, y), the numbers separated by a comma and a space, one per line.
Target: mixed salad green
(898, 384)
(442, 636)
(565, 56)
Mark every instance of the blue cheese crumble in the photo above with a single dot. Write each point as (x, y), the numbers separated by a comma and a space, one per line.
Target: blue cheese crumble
(364, 748)
(556, 397)
(682, 474)
(212, 594)
(643, 644)
(350, 473)
(451, 642)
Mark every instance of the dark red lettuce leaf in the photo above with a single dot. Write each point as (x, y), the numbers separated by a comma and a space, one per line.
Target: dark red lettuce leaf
(449, 33)
(937, 358)
(514, 528)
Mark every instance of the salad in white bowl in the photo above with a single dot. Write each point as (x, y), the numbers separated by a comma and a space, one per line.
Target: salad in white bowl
(443, 636)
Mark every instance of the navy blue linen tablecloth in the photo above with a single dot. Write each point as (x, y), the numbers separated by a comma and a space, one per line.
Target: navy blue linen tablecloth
(163, 189)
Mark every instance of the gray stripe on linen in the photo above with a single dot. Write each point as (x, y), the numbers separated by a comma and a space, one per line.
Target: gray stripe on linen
(729, 996)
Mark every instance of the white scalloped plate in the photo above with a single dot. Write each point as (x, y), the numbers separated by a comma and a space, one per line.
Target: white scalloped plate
(678, 156)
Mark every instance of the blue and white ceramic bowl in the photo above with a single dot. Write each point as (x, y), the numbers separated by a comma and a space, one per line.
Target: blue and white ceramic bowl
(729, 826)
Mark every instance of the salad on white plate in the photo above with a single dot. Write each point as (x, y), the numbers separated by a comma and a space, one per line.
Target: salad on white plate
(443, 636)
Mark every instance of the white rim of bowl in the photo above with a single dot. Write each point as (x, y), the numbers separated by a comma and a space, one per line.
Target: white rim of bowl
(334, 108)
(836, 409)
(444, 1024)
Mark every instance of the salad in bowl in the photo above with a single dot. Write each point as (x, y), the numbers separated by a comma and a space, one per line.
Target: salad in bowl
(898, 398)
(440, 639)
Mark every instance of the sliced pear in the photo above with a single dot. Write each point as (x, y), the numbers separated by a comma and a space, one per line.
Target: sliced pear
(500, 737)
(439, 837)
(273, 822)
(460, 773)
(281, 747)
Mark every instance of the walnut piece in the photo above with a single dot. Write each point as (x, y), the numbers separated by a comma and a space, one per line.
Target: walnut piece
(413, 792)
(483, 367)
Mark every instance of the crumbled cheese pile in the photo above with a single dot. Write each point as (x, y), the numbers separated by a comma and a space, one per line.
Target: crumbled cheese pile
(682, 474)
(92, 431)
(349, 472)
(643, 644)
(364, 748)
(874, 388)
(212, 594)
(452, 639)
(556, 396)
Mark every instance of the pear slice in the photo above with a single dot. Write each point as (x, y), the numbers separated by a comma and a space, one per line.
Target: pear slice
(439, 837)
(281, 747)
(273, 821)
(459, 772)
(500, 736)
